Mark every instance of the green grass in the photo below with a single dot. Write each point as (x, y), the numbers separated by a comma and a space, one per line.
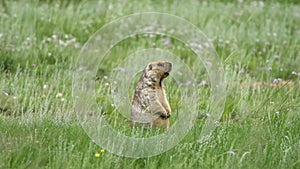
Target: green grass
(256, 41)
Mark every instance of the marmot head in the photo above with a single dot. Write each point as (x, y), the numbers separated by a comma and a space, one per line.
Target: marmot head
(157, 71)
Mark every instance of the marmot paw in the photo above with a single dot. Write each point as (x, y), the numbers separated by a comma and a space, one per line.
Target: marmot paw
(165, 116)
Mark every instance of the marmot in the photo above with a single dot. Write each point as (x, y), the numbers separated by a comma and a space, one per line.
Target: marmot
(150, 106)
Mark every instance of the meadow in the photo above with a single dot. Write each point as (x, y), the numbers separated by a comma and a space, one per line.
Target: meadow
(257, 43)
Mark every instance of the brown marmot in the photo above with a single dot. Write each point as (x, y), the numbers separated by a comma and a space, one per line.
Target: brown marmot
(150, 106)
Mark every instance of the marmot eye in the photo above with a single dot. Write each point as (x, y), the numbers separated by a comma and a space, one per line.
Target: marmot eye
(160, 64)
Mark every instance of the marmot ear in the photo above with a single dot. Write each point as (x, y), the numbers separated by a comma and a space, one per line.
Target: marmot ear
(150, 67)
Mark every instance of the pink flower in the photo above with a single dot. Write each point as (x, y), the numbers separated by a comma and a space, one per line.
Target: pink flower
(166, 41)
(269, 68)
(231, 152)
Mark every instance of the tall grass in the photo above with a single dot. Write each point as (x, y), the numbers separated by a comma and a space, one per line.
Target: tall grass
(256, 41)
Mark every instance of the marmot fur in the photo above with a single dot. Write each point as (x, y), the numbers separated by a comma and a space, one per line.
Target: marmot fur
(150, 106)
